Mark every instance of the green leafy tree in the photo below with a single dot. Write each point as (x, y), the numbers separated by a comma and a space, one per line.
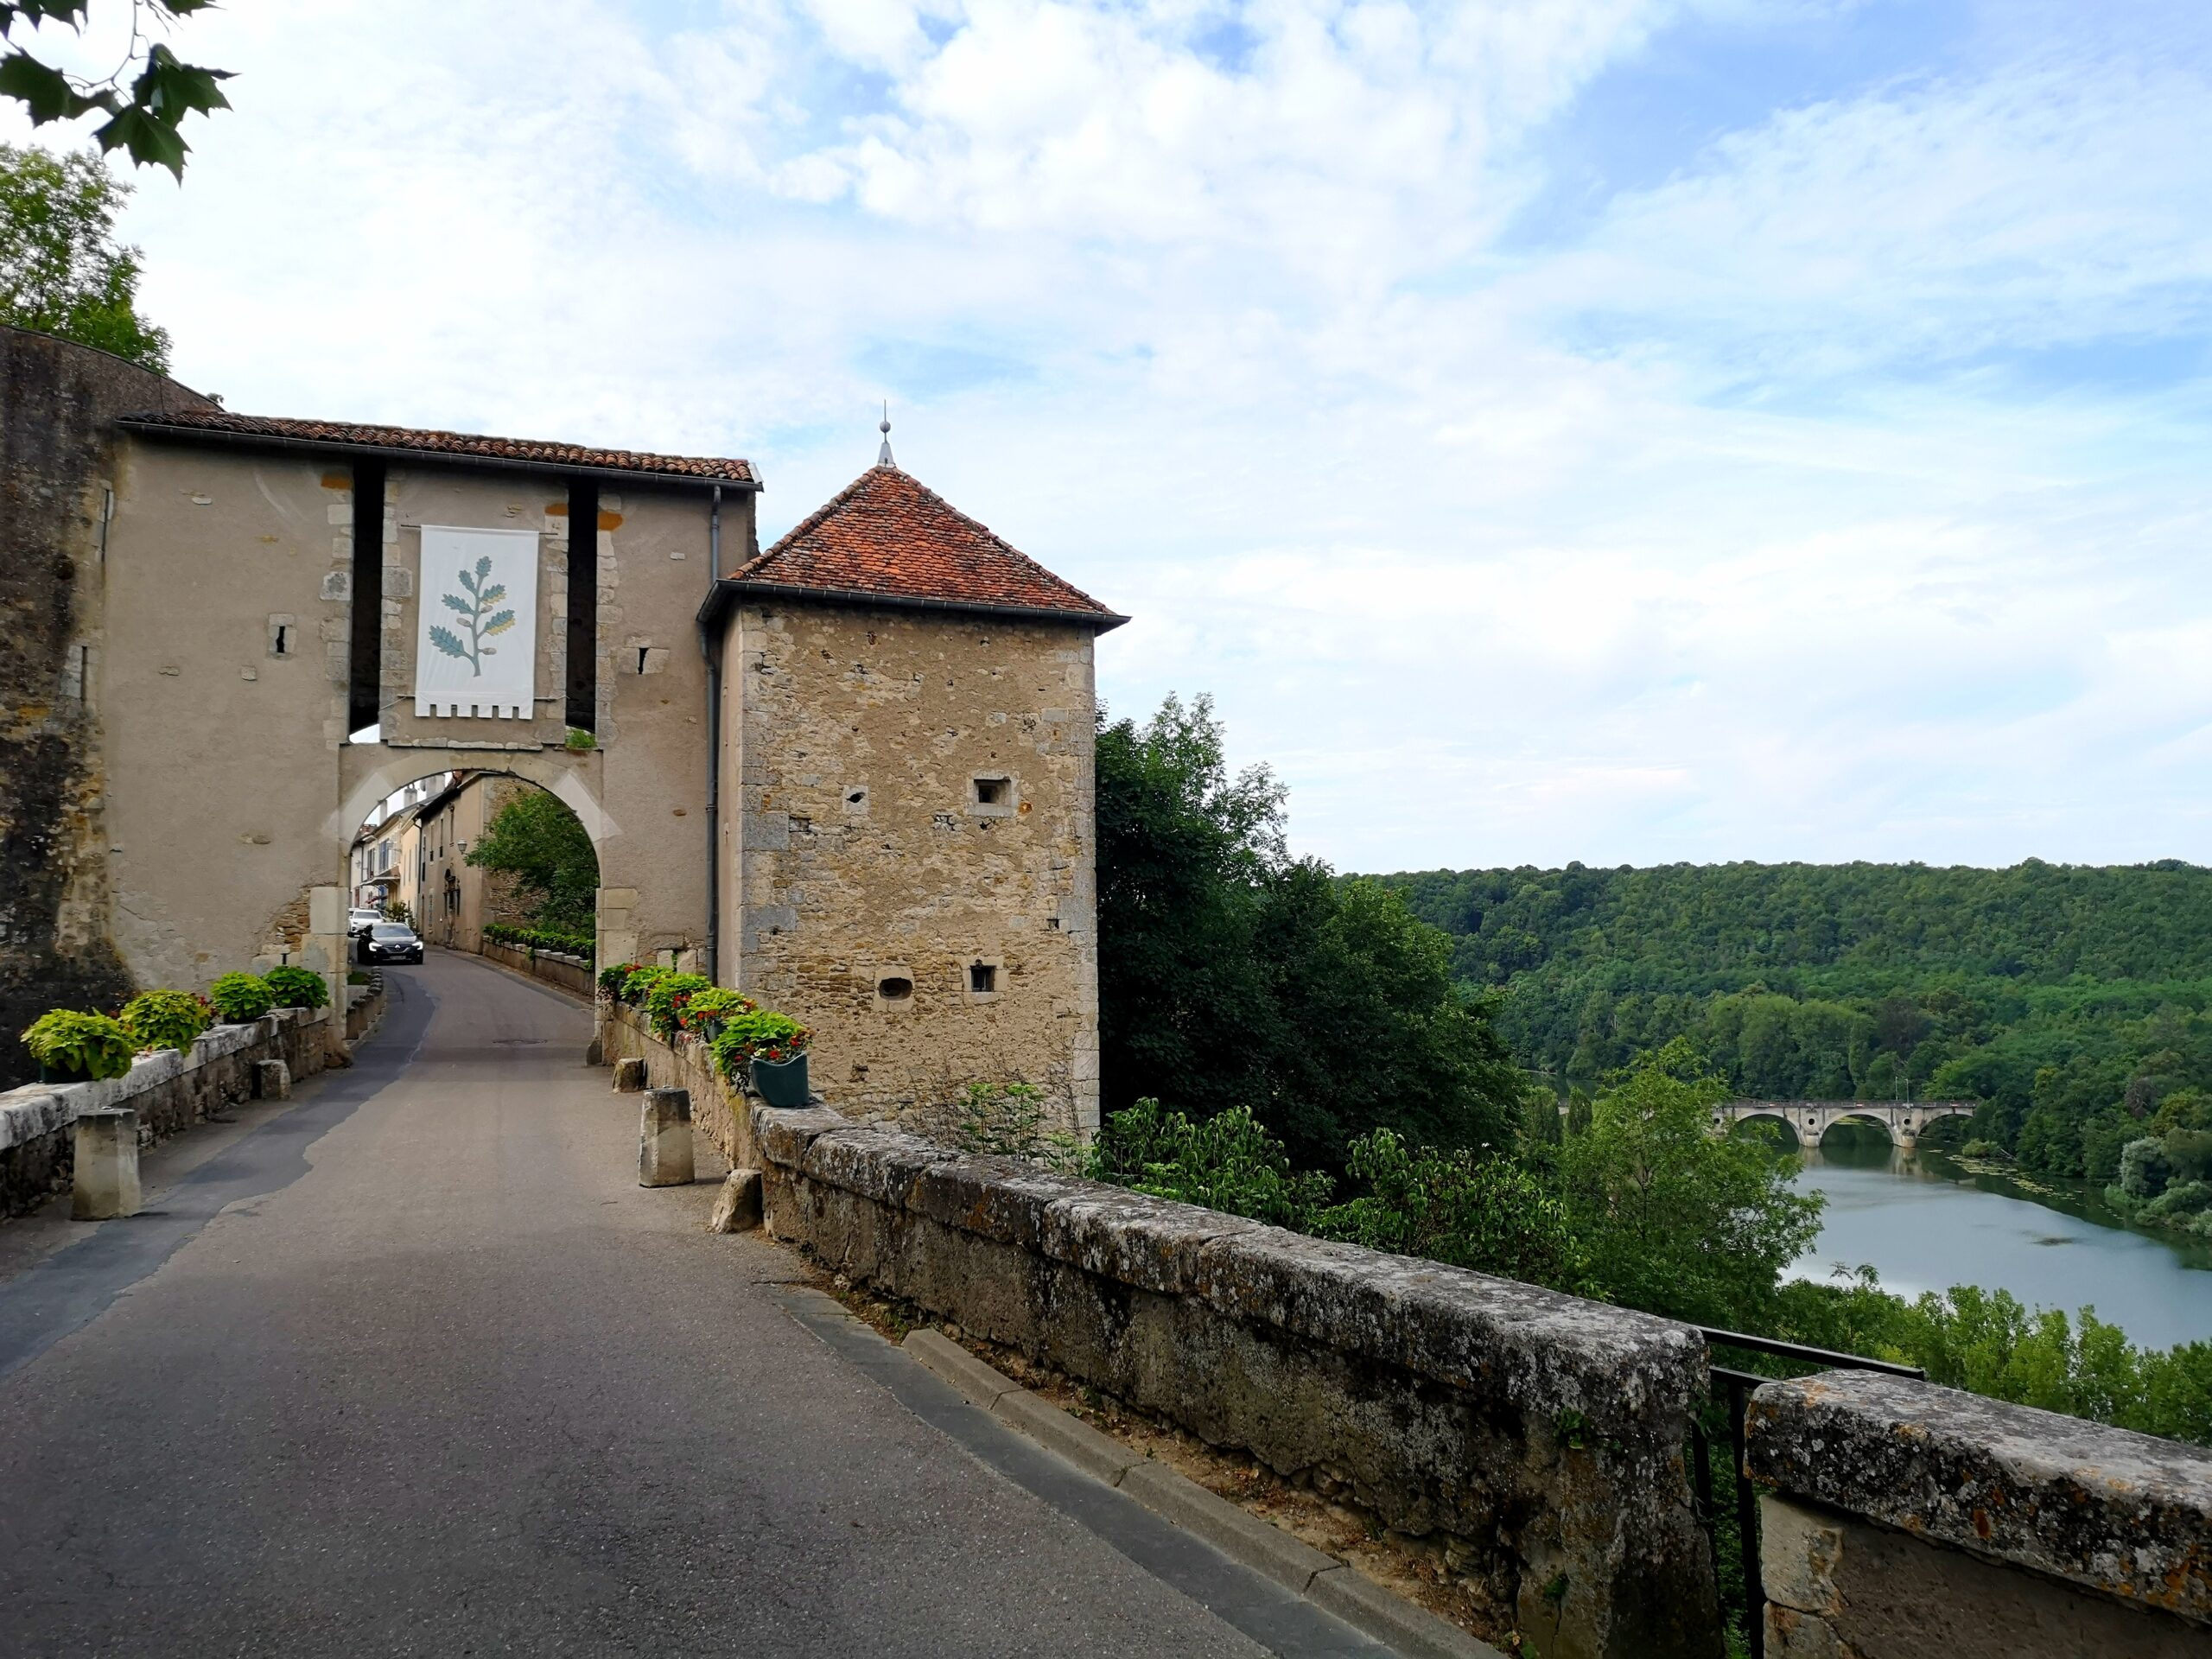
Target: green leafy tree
(1231, 975)
(145, 99)
(1226, 1162)
(61, 269)
(539, 842)
(1486, 1213)
(1185, 852)
(1677, 1220)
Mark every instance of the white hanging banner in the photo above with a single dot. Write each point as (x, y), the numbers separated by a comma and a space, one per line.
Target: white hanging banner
(476, 640)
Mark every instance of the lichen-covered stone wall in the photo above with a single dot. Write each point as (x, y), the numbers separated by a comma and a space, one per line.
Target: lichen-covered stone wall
(1900, 1519)
(57, 400)
(1546, 1436)
(930, 927)
(170, 1090)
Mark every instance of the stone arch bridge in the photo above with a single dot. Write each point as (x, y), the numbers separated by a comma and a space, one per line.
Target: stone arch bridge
(1811, 1119)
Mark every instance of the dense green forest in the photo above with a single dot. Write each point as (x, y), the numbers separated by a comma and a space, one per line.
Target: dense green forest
(2071, 1001)
(1338, 1055)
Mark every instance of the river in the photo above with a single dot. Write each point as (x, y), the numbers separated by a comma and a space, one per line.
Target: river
(1925, 1223)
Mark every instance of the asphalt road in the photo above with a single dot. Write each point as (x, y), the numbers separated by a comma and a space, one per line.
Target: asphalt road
(415, 1367)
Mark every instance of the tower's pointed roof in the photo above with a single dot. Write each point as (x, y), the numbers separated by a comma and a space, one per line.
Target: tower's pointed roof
(887, 538)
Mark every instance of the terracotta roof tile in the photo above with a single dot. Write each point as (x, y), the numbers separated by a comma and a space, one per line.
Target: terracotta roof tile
(529, 451)
(888, 534)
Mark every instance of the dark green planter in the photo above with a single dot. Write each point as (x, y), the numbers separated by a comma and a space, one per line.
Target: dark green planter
(781, 1082)
(51, 1074)
(711, 1030)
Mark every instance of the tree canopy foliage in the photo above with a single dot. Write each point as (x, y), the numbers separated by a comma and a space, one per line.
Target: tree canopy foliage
(145, 99)
(61, 269)
(2071, 1001)
(538, 840)
(1232, 974)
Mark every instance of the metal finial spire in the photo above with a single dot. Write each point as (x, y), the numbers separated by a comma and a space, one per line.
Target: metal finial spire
(883, 455)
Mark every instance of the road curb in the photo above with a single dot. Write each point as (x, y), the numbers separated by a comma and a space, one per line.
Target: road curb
(1245, 1538)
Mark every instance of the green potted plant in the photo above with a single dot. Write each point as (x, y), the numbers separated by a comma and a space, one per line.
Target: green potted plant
(241, 999)
(704, 1012)
(166, 1019)
(72, 1047)
(611, 981)
(296, 988)
(666, 998)
(767, 1050)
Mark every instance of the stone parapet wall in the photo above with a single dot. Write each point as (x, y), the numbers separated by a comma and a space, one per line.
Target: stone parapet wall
(1545, 1436)
(569, 972)
(170, 1090)
(1900, 1519)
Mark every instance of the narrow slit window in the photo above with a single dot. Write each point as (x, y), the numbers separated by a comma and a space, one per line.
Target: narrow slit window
(982, 977)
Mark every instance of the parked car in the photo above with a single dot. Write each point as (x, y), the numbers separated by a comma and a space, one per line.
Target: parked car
(391, 942)
(359, 921)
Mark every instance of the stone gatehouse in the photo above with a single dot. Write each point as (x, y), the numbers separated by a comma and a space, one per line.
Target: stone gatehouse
(851, 774)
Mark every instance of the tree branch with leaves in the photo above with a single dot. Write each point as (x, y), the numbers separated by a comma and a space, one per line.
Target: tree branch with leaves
(145, 98)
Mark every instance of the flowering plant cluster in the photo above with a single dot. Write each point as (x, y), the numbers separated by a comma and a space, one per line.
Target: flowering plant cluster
(667, 996)
(695, 1009)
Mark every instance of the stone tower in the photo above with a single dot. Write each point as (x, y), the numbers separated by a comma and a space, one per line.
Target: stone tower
(906, 721)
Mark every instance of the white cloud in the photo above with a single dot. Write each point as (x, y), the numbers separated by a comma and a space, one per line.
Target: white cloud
(1683, 538)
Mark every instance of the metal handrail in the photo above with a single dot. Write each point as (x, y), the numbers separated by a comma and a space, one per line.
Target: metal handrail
(1739, 1386)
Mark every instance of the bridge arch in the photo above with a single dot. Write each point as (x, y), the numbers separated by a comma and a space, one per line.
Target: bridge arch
(1810, 1120)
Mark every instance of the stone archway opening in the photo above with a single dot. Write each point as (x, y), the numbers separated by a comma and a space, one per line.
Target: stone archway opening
(1862, 1131)
(464, 855)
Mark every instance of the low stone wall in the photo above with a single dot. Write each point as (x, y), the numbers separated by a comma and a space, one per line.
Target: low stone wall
(569, 972)
(170, 1090)
(718, 1109)
(1545, 1437)
(1902, 1519)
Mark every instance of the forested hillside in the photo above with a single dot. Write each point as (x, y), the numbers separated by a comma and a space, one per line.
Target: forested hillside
(2070, 999)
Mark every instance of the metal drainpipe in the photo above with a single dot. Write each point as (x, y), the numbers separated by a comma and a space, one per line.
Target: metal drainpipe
(713, 749)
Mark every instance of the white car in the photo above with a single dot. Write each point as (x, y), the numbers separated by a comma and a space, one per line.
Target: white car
(359, 921)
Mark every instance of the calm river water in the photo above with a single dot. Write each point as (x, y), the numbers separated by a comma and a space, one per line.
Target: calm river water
(1925, 1224)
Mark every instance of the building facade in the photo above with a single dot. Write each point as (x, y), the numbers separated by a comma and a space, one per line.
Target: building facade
(907, 714)
(851, 775)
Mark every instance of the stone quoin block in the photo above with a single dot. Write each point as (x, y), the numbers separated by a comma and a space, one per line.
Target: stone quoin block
(665, 1139)
(106, 1165)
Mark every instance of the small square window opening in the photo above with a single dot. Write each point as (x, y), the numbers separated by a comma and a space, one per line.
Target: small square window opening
(993, 791)
(982, 978)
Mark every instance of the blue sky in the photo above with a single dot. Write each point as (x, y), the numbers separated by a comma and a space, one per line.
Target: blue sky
(1622, 430)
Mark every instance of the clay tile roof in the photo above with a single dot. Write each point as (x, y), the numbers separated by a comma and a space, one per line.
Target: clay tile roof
(522, 451)
(887, 536)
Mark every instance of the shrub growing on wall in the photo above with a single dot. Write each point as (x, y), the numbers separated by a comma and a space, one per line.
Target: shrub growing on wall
(88, 1044)
(239, 997)
(166, 1019)
(296, 988)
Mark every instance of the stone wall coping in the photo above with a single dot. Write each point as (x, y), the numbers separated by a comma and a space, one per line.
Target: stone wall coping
(1553, 1351)
(2126, 1515)
(37, 1109)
